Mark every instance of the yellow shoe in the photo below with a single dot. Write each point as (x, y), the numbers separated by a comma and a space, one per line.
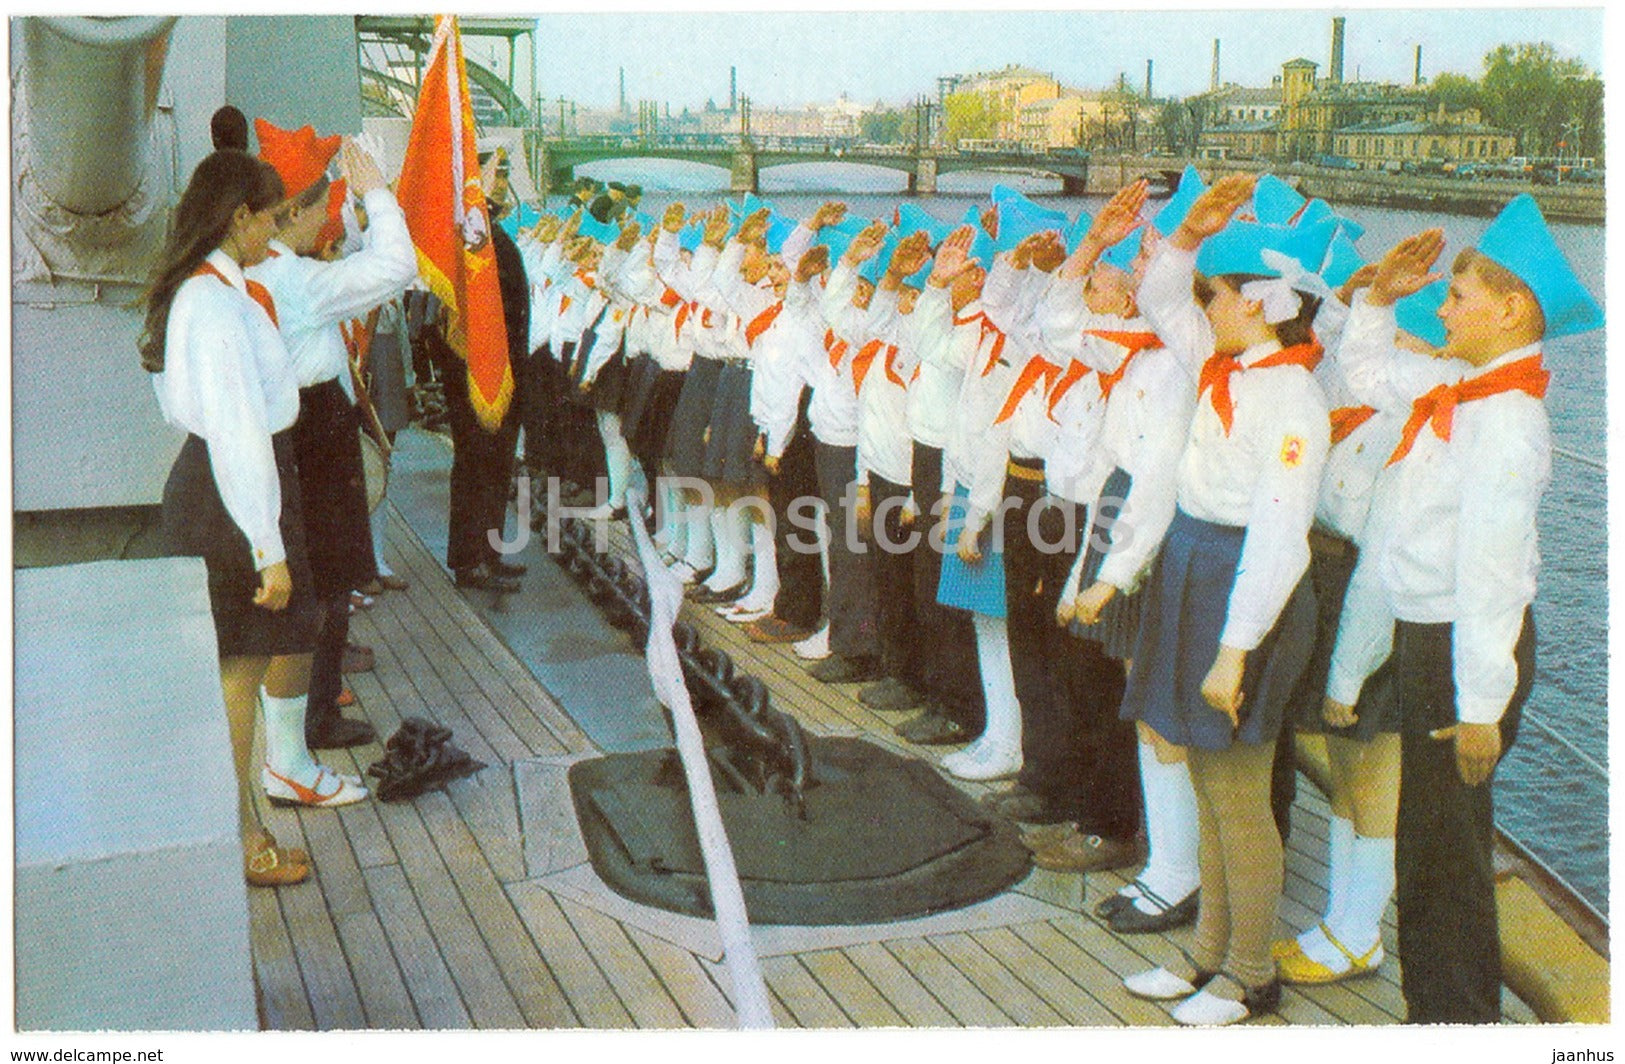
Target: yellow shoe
(1283, 948)
(1302, 969)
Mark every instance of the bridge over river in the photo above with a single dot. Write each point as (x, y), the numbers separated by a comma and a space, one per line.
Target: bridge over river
(745, 158)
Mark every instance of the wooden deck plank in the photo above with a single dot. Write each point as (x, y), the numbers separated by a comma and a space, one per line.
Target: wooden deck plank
(489, 702)
(639, 988)
(490, 810)
(844, 983)
(1089, 972)
(588, 992)
(905, 993)
(962, 998)
(428, 980)
(334, 1000)
(1069, 998)
(539, 997)
(702, 1001)
(282, 997)
(1014, 997)
(490, 1003)
(378, 979)
(340, 877)
(806, 1001)
(492, 651)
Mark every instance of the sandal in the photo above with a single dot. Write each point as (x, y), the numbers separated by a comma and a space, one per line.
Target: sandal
(291, 854)
(272, 867)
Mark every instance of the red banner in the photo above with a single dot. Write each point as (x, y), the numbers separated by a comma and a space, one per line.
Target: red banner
(445, 211)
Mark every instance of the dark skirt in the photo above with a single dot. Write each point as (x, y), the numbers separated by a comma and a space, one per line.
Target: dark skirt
(647, 434)
(607, 385)
(333, 490)
(1185, 603)
(1331, 564)
(641, 373)
(1118, 625)
(730, 456)
(978, 588)
(685, 440)
(196, 524)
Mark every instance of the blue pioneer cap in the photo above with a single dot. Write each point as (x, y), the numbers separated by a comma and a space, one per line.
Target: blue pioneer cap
(1519, 240)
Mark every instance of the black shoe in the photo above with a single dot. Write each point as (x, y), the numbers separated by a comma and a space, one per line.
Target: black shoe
(1111, 904)
(480, 577)
(890, 695)
(513, 569)
(1129, 920)
(839, 669)
(701, 595)
(932, 729)
(339, 731)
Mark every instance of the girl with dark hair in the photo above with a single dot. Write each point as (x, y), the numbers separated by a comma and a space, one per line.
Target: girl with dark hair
(1228, 620)
(221, 372)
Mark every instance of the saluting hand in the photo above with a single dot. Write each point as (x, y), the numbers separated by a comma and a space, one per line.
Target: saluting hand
(276, 588)
(753, 230)
(359, 169)
(1212, 210)
(1405, 269)
(814, 261)
(828, 214)
(672, 220)
(1114, 223)
(629, 236)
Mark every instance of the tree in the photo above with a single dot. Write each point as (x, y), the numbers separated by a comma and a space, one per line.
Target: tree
(884, 125)
(1456, 91)
(972, 116)
(1531, 90)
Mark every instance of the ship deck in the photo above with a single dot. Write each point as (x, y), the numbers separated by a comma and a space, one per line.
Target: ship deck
(456, 910)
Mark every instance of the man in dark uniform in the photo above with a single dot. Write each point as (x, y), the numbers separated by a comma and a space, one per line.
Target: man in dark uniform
(482, 460)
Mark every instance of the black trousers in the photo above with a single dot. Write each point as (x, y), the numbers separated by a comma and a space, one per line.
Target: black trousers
(481, 465)
(851, 601)
(894, 584)
(946, 638)
(327, 664)
(1076, 753)
(534, 399)
(1449, 938)
(801, 574)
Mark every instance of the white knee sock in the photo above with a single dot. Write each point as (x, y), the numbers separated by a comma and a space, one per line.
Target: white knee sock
(730, 528)
(701, 548)
(285, 749)
(1170, 826)
(1339, 867)
(764, 579)
(672, 535)
(376, 521)
(1003, 727)
(617, 456)
(1358, 923)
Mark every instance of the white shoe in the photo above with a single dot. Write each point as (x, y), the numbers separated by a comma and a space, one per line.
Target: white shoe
(1159, 984)
(743, 616)
(685, 572)
(815, 647)
(983, 762)
(329, 790)
(1209, 1010)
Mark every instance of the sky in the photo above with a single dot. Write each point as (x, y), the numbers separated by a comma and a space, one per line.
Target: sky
(787, 59)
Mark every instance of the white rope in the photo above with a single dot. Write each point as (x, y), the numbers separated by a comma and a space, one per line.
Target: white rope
(666, 676)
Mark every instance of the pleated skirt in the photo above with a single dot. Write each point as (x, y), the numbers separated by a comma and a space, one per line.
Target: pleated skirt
(1186, 600)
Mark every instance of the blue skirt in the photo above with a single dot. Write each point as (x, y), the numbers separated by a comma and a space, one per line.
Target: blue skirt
(1118, 625)
(977, 588)
(1185, 604)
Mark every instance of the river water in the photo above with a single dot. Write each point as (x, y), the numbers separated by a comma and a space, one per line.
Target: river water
(1552, 790)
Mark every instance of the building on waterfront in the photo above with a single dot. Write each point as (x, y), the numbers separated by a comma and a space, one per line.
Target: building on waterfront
(1425, 144)
(1008, 91)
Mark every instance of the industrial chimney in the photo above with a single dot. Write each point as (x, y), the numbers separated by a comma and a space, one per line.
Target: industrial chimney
(1148, 79)
(623, 90)
(1214, 86)
(1337, 51)
(1416, 78)
(733, 88)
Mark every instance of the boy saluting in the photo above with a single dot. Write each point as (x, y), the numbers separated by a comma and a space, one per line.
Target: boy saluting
(1453, 568)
